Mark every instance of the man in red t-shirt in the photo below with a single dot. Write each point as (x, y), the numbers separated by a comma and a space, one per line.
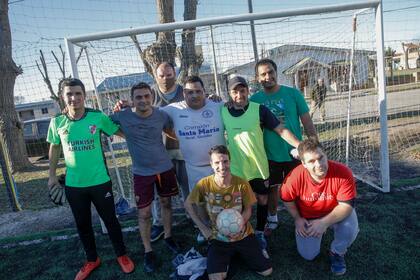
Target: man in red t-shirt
(319, 194)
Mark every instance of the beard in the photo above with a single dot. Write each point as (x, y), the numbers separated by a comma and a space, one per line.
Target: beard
(268, 85)
(168, 83)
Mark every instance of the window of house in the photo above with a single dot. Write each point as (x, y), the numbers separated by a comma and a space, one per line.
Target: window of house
(44, 110)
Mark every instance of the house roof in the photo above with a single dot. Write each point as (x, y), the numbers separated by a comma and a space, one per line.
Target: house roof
(290, 47)
(308, 62)
(34, 104)
(127, 81)
(124, 81)
(271, 53)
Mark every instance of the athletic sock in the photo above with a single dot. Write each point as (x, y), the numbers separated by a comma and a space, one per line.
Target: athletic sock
(262, 211)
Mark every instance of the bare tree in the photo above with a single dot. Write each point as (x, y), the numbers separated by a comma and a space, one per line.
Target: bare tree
(164, 49)
(190, 60)
(389, 58)
(10, 126)
(56, 96)
(406, 48)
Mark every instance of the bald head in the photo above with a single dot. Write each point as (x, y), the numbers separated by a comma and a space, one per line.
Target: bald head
(165, 77)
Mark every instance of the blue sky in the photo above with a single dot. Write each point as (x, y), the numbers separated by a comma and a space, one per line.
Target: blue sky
(42, 24)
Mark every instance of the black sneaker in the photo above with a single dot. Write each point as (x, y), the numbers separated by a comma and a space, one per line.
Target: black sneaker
(149, 262)
(156, 233)
(171, 245)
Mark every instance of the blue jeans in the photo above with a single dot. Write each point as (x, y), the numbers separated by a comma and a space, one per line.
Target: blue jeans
(345, 232)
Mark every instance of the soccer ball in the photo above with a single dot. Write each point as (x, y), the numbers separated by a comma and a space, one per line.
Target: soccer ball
(229, 222)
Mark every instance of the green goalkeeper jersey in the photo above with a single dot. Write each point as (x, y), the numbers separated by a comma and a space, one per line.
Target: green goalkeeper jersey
(81, 142)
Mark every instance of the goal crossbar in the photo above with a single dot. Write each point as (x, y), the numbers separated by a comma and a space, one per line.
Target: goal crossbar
(70, 42)
(223, 20)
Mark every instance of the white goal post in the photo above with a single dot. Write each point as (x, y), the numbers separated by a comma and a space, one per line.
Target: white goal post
(315, 41)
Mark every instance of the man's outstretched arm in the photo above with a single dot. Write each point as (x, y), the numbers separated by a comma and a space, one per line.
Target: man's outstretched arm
(317, 227)
(287, 135)
(190, 207)
(53, 154)
(300, 223)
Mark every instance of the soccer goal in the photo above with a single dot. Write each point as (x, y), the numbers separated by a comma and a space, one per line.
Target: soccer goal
(341, 44)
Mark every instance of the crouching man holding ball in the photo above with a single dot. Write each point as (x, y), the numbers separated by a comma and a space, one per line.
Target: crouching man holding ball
(212, 195)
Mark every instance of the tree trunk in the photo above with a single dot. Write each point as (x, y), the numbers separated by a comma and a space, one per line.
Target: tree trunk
(164, 47)
(190, 60)
(405, 56)
(10, 127)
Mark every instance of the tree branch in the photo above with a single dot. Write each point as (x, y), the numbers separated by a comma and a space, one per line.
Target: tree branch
(146, 64)
(80, 54)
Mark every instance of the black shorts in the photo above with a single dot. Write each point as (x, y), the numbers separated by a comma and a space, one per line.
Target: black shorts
(279, 171)
(260, 186)
(220, 254)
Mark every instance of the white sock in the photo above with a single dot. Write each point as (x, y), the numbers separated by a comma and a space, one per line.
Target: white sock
(272, 218)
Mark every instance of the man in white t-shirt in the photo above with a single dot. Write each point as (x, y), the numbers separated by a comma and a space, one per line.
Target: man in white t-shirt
(198, 126)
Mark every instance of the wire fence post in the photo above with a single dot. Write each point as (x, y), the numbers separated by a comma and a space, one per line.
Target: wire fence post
(254, 39)
(9, 182)
(215, 72)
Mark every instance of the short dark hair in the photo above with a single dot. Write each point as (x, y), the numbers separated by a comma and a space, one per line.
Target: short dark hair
(219, 149)
(140, 85)
(193, 79)
(167, 64)
(71, 82)
(265, 61)
(308, 145)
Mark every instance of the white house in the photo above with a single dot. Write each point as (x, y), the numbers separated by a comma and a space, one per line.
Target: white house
(37, 110)
(301, 66)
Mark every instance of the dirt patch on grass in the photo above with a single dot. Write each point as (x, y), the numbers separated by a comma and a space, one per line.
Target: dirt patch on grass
(30, 222)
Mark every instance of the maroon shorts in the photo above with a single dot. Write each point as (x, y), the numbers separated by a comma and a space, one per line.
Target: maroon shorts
(144, 187)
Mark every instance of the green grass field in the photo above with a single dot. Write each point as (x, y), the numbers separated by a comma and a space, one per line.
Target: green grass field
(387, 248)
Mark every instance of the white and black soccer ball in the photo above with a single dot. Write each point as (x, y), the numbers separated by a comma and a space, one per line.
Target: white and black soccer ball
(229, 222)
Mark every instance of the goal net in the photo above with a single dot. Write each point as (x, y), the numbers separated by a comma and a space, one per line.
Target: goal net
(330, 46)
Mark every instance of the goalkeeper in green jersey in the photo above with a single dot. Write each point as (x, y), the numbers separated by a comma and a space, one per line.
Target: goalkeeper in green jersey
(78, 132)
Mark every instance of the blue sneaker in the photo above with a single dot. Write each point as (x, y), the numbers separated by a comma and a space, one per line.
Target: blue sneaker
(261, 239)
(338, 264)
(149, 264)
(156, 233)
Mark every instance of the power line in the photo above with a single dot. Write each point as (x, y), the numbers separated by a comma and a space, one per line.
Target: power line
(402, 9)
(16, 1)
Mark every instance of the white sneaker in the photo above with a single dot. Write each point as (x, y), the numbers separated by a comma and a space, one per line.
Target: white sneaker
(272, 225)
(200, 238)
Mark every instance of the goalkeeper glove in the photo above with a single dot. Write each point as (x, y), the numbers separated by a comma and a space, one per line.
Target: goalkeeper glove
(57, 194)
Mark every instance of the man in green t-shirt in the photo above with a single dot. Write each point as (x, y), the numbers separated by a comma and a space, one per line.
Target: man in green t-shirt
(290, 108)
(78, 132)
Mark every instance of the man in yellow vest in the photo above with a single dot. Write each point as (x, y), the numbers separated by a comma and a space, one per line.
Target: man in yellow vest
(244, 122)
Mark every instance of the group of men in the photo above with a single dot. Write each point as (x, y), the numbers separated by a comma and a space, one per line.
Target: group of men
(222, 155)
